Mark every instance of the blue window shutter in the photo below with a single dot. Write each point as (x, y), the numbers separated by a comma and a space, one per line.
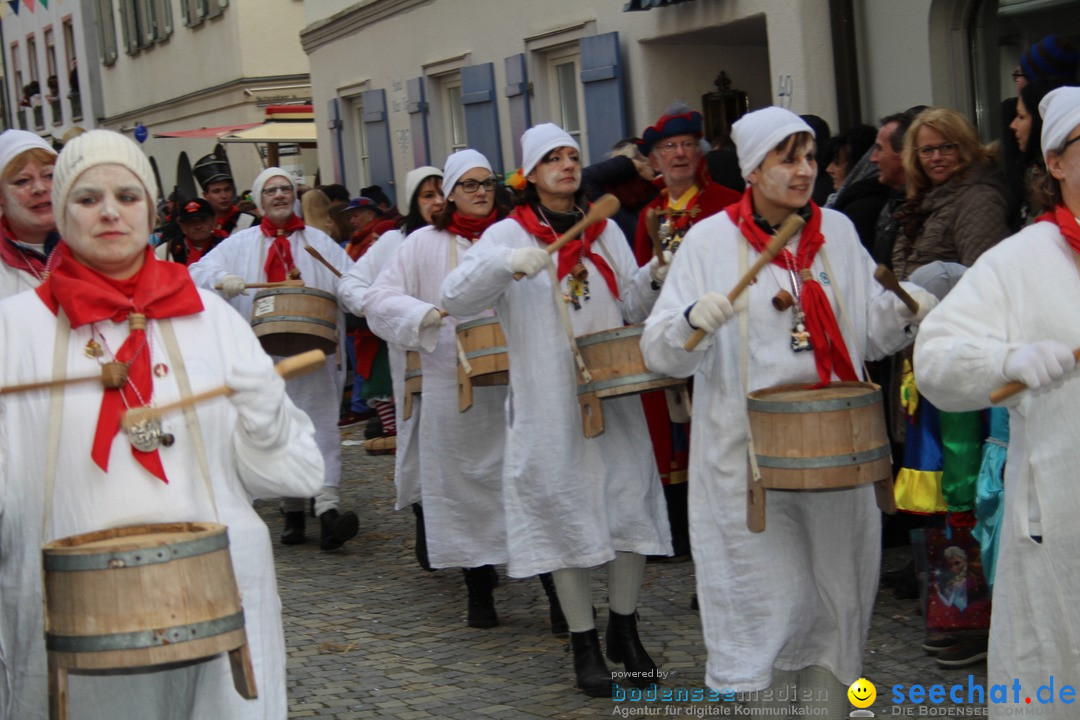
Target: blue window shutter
(517, 92)
(337, 149)
(377, 133)
(481, 112)
(417, 107)
(605, 106)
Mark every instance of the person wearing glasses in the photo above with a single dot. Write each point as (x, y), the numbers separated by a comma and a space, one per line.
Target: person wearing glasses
(957, 199)
(1010, 318)
(273, 251)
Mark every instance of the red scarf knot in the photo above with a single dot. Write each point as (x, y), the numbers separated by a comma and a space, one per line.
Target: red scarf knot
(279, 259)
(471, 228)
(159, 290)
(573, 251)
(222, 222)
(830, 350)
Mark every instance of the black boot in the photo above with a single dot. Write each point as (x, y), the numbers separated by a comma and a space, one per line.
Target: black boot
(421, 538)
(624, 646)
(593, 676)
(481, 601)
(293, 534)
(336, 528)
(558, 620)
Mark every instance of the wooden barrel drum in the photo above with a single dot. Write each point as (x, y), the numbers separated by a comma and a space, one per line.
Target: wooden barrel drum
(482, 357)
(614, 360)
(414, 382)
(141, 596)
(291, 320)
(818, 439)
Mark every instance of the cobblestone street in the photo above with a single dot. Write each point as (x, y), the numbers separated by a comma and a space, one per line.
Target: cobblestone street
(371, 635)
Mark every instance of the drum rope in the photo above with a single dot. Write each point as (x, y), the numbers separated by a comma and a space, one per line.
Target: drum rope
(462, 359)
(744, 364)
(56, 410)
(560, 304)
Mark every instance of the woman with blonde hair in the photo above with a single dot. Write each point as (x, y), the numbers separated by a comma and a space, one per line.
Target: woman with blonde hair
(957, 198)
(316, 210)
(28, 226)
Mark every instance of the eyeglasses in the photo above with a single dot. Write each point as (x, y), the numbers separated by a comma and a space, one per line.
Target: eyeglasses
(1017, 74)
(1068, 143)
(671, 146)
(277, 190)
(471, 186)
(946, 149)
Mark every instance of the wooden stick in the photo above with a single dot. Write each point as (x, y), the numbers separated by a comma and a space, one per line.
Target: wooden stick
(787, 230)
(652, 226)
(1007, 390)
(887, 280)
(47, 384)
(283, 283)
(288, 368)
(602, 209)
(318, 256)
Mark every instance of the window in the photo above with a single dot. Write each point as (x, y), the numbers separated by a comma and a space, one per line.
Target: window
(145, 22)
(72, 70)
(359, 139)
(565, 92)
(34, 89)
(453, 115)
(194, 11)
(20, 89)
(52, 79)
(106, 25)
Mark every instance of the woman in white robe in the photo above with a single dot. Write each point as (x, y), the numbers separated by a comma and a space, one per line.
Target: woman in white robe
(798, 596)
(1012, 318)
(571, 503)
(27, 228)
(423, 187)
(255, 444)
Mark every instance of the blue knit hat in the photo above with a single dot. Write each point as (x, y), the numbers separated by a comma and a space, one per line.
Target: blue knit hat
(1051, 57)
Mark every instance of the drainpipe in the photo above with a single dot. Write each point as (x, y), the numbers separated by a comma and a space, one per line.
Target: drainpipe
(845, 63)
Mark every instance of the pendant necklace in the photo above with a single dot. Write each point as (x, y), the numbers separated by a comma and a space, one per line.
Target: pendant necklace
(577, 282)
(800, 336)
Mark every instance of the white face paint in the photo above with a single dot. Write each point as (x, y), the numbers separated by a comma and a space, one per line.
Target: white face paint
(108, 221)
(784, 182)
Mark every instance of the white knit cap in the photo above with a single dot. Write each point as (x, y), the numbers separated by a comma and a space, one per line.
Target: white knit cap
(460, 163)
(539, 140)
(756, 133)
(15, 142)
(264, 176)
(1060, 110)
(89, 150)
(415, 178)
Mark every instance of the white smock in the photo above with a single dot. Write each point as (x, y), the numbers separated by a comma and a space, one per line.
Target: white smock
(317, 393)
(85, 498)
(352, 288)
(571, 501)
(461, 457)
(801, 592)
(14, 281)
(1023, 290)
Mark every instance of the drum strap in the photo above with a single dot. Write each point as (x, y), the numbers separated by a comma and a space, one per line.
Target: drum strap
(56, 415)
(843, 309)
(453, 254)
(744, 362)
(560, 305)
(192, 419)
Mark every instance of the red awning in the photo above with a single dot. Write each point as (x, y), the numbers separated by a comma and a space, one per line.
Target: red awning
(205, 133)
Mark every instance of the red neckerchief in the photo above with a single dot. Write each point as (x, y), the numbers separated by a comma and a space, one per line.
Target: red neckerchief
(1066, 222)
(230, 216)
(159, 290)
(830, 351)
(14, 256)
(470, 228)
(279, 259)
(572, 252)
(194, 254)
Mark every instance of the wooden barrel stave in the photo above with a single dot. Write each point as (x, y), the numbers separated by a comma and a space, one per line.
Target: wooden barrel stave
(291, 320)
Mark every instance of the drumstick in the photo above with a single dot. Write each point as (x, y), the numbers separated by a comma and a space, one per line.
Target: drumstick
(283, 283)
(47, 384)
(887, 280)
(318, 256)
(652, 226)
(602, 209)
(787, 230)
(1007, 390)
(288, 368)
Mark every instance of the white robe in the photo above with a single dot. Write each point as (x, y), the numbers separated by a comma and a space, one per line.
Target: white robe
(318, 393)
(1023, 290)
(801, 592)
(85, 498)
(13, 282)
(461, 457)
(352, 288)
(570, 501)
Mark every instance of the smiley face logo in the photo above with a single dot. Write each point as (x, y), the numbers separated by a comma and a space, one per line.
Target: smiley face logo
(862, 693)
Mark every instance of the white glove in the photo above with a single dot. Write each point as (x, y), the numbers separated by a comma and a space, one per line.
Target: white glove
(432, 319)
(528, 260)
(926, 300)
(659, 272)
(710, 312)
(232, 285)
(1039, 364)
(259, 397)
